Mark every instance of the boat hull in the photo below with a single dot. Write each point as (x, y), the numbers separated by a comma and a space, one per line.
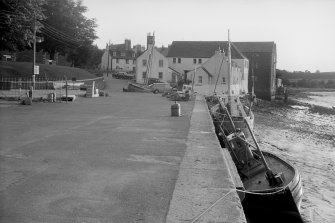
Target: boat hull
(280, 204)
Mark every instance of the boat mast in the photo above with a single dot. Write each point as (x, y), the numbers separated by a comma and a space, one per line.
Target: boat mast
(229, 70)
(218, 77)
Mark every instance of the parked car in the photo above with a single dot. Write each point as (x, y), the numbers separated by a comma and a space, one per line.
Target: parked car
(154, 80)
(123, 75)
(159, 87)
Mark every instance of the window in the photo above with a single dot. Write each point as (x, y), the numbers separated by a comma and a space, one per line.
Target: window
(114, 54)
(200, 79)
(174, 60)
(223, 80)
(117, 60)
(160, 63)
(160, 75)
(199, 61)
(123, 54)
(144, 75)
(179, 60)
(127, 61)
(144, 62)
(194, 61)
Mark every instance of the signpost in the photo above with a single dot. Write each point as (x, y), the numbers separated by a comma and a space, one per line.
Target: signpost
(36, 70)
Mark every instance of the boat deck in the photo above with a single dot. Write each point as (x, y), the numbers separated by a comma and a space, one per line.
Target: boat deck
(277, 165)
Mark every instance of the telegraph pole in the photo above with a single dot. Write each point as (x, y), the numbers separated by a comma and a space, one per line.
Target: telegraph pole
(34, 54)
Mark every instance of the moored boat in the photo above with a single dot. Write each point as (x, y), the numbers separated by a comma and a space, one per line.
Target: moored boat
(272, 188)
(271, 185)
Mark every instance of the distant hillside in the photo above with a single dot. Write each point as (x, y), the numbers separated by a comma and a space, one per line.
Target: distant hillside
(24, 69)
(306, 79)
(305, 75)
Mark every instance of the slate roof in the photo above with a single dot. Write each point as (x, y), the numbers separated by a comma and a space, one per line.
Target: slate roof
(119, 47)
(201, 49)
(260, 47)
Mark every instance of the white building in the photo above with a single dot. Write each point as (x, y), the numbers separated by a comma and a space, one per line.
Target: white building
(119, 57)
(185, 56)
(153, 64)
(212, 76)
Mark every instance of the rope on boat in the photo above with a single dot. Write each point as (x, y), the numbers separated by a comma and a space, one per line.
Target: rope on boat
(226, 194)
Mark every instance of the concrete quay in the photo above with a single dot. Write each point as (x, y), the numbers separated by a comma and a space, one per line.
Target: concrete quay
(121, 158)
(204, 190)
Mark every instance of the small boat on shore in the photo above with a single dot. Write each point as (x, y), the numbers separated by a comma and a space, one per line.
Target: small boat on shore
(134, 87)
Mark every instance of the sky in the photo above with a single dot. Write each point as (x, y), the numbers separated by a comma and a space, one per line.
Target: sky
(303, 30)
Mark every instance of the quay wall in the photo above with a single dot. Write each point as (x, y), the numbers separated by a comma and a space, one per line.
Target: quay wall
(205, 188)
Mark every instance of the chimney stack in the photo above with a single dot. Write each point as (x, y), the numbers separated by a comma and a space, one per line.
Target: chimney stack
(150, 40)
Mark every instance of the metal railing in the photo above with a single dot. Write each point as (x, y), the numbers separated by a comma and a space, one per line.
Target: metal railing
(12, 87)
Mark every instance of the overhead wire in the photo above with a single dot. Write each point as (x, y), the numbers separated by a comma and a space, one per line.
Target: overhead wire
(51, 32)
(60, 41)
(57, 31)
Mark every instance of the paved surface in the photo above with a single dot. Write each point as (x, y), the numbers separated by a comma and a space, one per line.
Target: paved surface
(108, 159)
(204, 191)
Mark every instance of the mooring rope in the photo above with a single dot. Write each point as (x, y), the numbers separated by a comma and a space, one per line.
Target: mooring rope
(195, 219)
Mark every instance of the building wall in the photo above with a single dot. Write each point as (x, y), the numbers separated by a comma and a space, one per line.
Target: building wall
(104, 60)
(155, 68)
(186, 63)
(211, 82)
(123, 65)
(262, 67)
(273, 72)
(244, 66)
(117, 63)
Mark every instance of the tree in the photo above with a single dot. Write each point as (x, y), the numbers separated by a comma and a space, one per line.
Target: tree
(66, 29)
(302, 83)
(95, 57)
(322, 84)
(17, 20)
(330, 84)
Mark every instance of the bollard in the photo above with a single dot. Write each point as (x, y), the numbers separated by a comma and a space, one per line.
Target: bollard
(175, 109)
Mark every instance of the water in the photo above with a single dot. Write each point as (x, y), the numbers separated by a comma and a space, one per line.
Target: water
(324, 99)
